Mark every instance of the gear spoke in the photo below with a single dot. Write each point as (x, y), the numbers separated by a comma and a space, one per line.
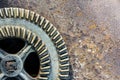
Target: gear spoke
(2, 54)
(2, 77)
(25, 76)
(25, 52)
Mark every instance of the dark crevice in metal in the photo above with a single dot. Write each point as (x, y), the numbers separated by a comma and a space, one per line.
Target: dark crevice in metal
(32, 64)
(12, 45)
(13, 78)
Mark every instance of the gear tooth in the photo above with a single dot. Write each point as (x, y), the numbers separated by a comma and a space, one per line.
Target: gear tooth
(50, 31)
(62, 50)
(10, 31)
(57, 79)
(46, 27)
(29, 34)
(45, 68)
(6, 12)
(23, 33)
(59, 41)
(49, 28)
(44, 57)
(40, 47)
(64, 75)
(33, 39)
(64, 60)
(3, 32)
(56, 35)
(41, 20)
(44, 24)
(32, 15)
(1, 13)
(43, 51)
(43, 63)
(65, 65)
(18, 32)
(16, 12)
(37, 18)
(11, 14)
(13, 31)
(54, 30)
(22, 13)
(37, 43)
(7, 31)
(56, 38)
(62, 70)
(63, 55)
(43, 78)
(44, 73)
(27, 14)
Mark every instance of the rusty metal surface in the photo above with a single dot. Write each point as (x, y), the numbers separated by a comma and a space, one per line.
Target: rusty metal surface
(90, 29)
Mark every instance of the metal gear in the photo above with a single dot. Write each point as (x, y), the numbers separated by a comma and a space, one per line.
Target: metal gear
(41, 37)
(35, 41)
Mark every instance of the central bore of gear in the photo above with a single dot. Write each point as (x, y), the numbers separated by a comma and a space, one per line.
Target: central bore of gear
(11, 65)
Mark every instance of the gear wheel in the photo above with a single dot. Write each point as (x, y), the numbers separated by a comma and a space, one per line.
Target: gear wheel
(34, 40)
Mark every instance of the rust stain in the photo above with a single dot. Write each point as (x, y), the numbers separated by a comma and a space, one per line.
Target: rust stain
(93, 26)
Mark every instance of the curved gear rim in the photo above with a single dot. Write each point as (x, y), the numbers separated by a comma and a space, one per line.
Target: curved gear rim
(49, 29)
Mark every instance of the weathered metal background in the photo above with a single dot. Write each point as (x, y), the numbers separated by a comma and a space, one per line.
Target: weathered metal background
(90, 29)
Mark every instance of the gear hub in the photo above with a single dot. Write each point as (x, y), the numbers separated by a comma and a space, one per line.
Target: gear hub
(11, 65)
